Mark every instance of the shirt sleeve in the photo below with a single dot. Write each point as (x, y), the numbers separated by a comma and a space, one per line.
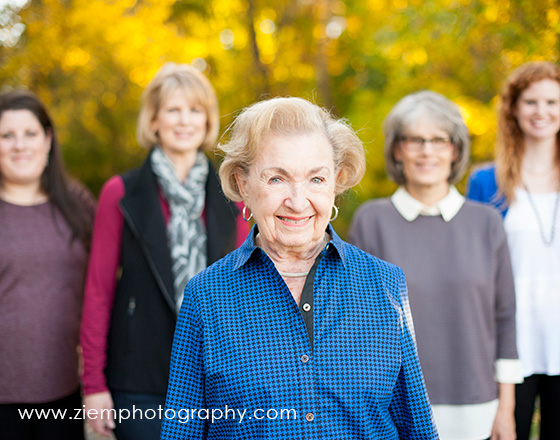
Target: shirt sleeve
(185, 392)
(100, 286)
(508, 371)
(474, 188)
(410, 407)
(505, 294)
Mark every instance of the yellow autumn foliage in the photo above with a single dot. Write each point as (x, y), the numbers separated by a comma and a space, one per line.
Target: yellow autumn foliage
(90, 60)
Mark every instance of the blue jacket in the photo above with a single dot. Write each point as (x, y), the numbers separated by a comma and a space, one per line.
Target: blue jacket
(483, 187)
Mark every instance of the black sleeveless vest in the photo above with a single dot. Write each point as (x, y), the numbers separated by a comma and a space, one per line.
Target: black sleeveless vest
(143, 316)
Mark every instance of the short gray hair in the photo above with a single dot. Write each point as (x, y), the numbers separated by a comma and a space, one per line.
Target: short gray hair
(443, 112)
(288, 117)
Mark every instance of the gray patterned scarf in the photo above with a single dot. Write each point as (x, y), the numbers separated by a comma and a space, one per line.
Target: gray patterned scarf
(186, 231)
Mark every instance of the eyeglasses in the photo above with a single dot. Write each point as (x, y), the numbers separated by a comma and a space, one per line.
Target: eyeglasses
(415, 144)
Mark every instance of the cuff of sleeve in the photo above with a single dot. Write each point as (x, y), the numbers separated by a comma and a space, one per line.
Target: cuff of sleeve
(508, 371)
(94, 390)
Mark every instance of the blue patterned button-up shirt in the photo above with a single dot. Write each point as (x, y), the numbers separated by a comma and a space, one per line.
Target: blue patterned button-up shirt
(243, 366)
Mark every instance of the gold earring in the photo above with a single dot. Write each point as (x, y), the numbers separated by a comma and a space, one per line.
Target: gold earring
(335, 208)
(244, 213)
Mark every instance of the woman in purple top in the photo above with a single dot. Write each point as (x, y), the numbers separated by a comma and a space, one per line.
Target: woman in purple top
(45, 225)
(455, 258)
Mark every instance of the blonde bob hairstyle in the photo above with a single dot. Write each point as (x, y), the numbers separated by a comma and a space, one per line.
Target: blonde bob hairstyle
(197, 89)
(288, 117)
(443, 113)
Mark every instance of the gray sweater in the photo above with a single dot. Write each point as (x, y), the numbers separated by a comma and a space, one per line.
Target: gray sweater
(460, 288)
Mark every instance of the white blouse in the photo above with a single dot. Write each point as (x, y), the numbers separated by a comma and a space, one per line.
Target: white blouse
(536, 270)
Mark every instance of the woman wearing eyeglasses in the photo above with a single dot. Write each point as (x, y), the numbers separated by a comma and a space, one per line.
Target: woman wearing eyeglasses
(455, 258)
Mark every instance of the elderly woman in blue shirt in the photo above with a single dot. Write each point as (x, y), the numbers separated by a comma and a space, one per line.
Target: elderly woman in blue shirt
(296, 334)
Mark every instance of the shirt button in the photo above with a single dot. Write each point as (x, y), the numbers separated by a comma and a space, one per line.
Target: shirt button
(306, 307)
(309, 417)
(304, 358)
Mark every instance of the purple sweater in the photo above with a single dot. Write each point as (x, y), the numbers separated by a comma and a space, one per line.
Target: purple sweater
(41, 284)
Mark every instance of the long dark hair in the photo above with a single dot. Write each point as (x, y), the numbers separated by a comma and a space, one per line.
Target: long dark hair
(70, 197)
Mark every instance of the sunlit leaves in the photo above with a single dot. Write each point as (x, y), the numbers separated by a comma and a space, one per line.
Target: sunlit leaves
(90, 60)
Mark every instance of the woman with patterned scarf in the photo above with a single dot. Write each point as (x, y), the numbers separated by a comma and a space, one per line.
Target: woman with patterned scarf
(156, 227)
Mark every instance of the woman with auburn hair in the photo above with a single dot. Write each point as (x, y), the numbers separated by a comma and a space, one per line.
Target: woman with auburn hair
(524, 184)
(45, 228)
(155, 228)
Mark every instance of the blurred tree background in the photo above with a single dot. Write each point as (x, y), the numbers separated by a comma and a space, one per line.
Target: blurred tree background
(89, 60)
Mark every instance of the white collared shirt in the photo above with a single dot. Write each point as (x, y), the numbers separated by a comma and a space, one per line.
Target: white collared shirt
(410, 208)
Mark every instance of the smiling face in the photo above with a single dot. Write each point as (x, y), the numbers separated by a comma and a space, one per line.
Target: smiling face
(181, 124)
(538, 110)
(24, 148)
(426, 169)
(290, 190)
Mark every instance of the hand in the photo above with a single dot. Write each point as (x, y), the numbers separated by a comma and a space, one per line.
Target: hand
(504, 426)
(101, 422)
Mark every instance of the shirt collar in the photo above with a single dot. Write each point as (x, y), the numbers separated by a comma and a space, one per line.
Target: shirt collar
(410, 208)
(248, 248)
